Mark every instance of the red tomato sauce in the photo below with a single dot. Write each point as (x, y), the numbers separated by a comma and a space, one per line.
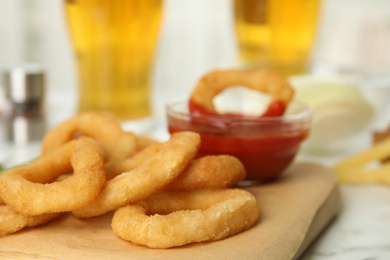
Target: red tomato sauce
(265, 152)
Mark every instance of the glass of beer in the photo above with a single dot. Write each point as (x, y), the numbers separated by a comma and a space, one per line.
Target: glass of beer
(114, 42)
(276, 34)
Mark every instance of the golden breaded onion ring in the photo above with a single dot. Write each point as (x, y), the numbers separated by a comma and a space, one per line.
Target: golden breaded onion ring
(214, 171)
(114, 168)
(144, 142)
(147, 178)
(27, 189)
(214, 82)
(173, 218)
(12, 221)
(101, 126)
(211, 172)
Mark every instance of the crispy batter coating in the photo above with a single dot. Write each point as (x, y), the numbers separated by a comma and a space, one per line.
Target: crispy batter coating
(101, 126)
(144, 142)
(172, 218)
(264, 81)
(147, 178)
(114, 168)
(27, 189)
(12, 221)
(213, 172)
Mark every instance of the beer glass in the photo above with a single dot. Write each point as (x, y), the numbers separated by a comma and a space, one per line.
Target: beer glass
(114, 43)
(276, 34)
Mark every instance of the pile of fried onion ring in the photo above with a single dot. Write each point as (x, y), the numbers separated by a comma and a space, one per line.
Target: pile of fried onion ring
(85, 170)
(265, 81)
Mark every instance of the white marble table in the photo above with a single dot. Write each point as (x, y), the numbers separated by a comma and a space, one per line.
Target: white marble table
(360, 231)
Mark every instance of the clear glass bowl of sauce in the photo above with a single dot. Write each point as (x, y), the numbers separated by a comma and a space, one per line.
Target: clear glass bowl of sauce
(266, 146)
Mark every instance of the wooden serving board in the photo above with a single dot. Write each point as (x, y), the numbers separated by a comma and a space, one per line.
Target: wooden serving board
(293, 211)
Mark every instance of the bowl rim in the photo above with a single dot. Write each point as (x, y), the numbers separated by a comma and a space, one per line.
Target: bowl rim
(304, 115)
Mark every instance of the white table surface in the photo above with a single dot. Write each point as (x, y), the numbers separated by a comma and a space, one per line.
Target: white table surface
(361, 229)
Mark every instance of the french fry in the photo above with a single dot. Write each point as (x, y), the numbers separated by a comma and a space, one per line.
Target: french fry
(353, 170)
(359, 175)
(377, 152)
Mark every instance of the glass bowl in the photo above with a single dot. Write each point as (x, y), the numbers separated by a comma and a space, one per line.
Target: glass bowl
(266, 146)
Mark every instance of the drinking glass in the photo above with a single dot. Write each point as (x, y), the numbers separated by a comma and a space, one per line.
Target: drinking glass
(276, 34)
(114, 43)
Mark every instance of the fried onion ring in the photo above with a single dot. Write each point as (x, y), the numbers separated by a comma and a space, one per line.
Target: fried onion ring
(147, 178)
(101, 126)
(12, 221)
(144, 142)
(212, 172)
(114, 168)
(213, 83)
(27, 189)
(171, 219)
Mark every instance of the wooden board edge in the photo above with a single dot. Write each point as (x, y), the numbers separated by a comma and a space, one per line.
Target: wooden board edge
(325, 214)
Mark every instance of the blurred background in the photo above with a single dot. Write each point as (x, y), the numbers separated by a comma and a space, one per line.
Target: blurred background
(195, 36)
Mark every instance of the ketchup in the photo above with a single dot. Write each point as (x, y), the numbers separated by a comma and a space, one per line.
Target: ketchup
(265, 150)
